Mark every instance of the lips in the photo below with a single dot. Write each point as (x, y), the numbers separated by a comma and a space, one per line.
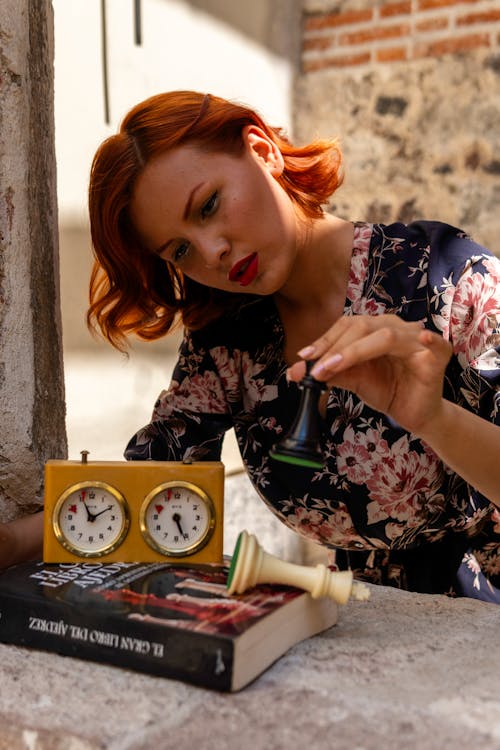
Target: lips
(245, 270)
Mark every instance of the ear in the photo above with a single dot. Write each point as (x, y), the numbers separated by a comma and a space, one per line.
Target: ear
(264, 149)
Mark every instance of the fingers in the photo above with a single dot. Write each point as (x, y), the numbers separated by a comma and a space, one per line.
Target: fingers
(297, 371)
(357, 339)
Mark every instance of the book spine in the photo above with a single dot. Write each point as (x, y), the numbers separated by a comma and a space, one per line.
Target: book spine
(198, 658)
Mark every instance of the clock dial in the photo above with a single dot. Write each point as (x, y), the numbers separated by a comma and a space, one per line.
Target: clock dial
(91, 519)
(177, 518)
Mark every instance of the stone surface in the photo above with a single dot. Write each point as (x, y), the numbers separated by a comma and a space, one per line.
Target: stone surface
(402, 670)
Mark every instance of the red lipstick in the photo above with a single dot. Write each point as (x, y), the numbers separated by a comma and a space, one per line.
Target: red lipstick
(245, 271)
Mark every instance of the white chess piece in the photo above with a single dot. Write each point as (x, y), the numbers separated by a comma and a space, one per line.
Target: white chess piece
(252, 565)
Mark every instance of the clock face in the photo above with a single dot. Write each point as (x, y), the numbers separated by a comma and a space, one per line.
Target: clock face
(91, 519)
(177, 518)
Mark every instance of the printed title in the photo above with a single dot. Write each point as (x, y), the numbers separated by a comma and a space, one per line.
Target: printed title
(82, 575)
(97, 637)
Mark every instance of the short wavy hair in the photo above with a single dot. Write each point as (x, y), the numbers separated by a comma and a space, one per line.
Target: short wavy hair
(134, 291)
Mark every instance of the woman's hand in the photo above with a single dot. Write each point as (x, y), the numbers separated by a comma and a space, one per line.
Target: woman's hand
(21, 540)
(395, 367)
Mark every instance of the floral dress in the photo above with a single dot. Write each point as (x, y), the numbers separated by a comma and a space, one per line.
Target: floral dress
(395, 513)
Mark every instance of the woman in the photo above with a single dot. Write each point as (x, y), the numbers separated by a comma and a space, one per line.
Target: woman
(203, 214)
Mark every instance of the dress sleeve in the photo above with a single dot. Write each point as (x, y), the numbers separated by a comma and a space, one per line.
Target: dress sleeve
(474, 332)
(190, 417)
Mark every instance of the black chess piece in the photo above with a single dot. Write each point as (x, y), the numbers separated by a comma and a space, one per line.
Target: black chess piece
(301, 445)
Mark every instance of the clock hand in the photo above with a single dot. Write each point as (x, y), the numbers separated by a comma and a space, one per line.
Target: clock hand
(177, 518)
(101, 512)
(90, 516)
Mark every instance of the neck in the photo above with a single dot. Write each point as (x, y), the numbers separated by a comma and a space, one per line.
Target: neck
(321, 270)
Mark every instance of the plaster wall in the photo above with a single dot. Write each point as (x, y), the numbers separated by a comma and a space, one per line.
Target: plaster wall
(245, 51)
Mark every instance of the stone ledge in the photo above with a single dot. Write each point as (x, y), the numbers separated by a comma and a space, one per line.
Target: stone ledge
(403, 669)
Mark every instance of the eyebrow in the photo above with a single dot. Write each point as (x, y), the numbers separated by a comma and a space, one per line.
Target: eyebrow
(190, 199)
(187, 210)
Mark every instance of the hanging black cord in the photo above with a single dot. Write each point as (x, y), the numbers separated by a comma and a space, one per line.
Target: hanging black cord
(104, 57)
(104, 49)
(137, 22)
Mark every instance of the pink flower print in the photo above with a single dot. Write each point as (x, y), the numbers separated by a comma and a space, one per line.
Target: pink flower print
(443, 300)
(368, 306)
(335, 529)
(377, 447)
(255, 389)
(492, 267)
(394, 530)
(239, 377)
(359, 454)
(474, 567)
(359, 261)
(228, 371)
(363, 235)
(495, 517)
(488, 559)
(402, 485)
(353, 458)
(475, 315)
(199, 393)
(305, 521)
(271, 423)
(359, 267)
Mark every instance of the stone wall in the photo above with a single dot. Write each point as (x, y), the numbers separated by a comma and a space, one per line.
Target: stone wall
(412, 89)
(31, 376)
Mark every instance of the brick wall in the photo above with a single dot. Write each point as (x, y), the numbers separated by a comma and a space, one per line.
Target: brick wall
(402, 30)
(412, 89)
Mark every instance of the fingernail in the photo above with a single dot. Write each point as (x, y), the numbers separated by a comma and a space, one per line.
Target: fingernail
(306, 352)
(328, 364)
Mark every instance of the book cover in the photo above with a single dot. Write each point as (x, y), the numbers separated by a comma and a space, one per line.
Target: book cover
(168, 620)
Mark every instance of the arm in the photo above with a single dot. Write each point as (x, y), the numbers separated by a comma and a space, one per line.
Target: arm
(469, 445)
(21, 540)
(190, 418)
(398, 368)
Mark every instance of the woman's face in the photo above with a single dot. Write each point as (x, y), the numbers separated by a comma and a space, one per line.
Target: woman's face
(222, 219)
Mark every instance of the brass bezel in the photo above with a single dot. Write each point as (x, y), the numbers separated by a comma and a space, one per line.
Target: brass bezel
(165, 549)
(70, 546)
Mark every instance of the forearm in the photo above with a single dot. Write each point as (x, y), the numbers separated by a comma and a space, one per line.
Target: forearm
(21, 540)
(469, 445)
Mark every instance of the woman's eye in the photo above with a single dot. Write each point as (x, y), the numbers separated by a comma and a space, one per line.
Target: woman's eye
(209, 206)
(180, 252)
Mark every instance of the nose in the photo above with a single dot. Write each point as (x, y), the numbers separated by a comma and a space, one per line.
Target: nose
(213, 250)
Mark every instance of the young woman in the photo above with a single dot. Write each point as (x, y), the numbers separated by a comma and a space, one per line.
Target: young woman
(204, 215)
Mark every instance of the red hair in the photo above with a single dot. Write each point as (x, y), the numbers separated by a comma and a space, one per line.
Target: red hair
(133, 290)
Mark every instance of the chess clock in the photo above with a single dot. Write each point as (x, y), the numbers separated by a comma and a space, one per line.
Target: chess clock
(133, 511)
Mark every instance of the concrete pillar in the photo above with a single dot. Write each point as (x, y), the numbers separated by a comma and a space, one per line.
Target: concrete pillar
(32, 426)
